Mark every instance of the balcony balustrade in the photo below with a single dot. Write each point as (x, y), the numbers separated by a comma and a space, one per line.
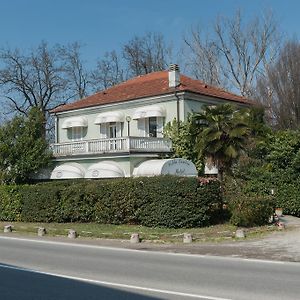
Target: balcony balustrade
(114, 145)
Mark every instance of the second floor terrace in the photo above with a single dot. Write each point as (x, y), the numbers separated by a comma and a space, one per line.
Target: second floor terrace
(119, 145)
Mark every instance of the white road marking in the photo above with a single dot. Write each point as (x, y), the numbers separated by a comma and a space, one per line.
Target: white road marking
(214, 257)
(114, 284)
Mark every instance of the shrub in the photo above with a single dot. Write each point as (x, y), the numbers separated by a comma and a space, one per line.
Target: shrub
(10, 203)
(285, 182)
(157, 201)
(249, 202)
(184, 202)
(287, 197)
(41, 202)
(118, 201)
(77, 203)
(251, 211)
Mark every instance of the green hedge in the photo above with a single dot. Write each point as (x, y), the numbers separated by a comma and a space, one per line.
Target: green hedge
(286, 184)
(287, 196)
(250, 211)
(41, 203)
(249, 203)
(165, 201)
(10, 203)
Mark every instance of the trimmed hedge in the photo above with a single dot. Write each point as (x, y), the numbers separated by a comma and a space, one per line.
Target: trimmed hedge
(248, 211)
(10, 203)
(166, 201)
(286, 184)
(287, 196)
(247, 205)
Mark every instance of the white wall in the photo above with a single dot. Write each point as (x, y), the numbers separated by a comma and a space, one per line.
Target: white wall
(191, 103)
(93, 130)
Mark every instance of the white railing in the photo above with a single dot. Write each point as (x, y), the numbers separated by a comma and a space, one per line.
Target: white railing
(116, 145)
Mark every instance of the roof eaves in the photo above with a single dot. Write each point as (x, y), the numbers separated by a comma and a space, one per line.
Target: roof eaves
(57, 110)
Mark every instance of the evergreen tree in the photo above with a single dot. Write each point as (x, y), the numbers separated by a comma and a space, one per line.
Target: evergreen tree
(23, 148)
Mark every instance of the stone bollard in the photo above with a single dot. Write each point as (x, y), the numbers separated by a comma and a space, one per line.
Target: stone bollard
(72, 234)
(240, 234)
(135, 238)
(7, 228)
(187, 238)
(41, 231)
(281, 225)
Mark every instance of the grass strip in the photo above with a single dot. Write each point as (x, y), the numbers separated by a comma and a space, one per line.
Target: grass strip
(215, 233)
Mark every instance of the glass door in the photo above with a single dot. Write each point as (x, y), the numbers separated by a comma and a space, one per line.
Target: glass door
(112, 132)
(153, 127)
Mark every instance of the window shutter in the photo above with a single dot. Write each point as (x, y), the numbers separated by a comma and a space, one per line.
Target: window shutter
(103, 131)
(142, 127)
(119, 129)
(76, 133)
(160, 126)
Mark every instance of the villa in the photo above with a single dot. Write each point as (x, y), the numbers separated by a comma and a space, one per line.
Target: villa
(118, 132)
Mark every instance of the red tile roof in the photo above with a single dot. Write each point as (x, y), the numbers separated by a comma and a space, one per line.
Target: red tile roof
(152, 84)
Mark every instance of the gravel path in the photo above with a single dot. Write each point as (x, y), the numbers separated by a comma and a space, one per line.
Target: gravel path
(283, 245)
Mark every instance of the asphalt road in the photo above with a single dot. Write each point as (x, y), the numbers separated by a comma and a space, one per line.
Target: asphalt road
(38, 269)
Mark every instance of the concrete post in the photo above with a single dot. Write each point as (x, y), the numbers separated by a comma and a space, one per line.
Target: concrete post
(135, 238)
(41, 231)
(7, 228)
(240, 234)
(187, 238)
(72, 234)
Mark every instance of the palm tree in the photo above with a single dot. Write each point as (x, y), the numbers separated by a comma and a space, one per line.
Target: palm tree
(221, 134)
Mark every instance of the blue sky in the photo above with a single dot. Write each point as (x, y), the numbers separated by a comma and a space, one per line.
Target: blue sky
(106, 25)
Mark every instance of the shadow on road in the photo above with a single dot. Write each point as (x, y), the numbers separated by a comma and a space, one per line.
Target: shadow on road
(26, 285)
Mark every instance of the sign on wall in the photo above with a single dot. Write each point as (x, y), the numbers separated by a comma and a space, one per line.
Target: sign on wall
(174, 166)
(180, 167)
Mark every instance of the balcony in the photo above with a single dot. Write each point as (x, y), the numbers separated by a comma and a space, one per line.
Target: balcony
(110, 146)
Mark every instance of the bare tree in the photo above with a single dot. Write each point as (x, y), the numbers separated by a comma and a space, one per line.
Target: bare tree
(75, 72)
(44, 77)
(236, 52)
(279, 90)
(108, 71)
(204, 63)
(33, 80)
(141, 55)
(146, 54)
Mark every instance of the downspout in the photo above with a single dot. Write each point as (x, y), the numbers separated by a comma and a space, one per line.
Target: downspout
(56, 128)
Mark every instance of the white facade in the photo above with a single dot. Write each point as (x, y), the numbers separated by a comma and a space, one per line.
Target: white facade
(116, 139)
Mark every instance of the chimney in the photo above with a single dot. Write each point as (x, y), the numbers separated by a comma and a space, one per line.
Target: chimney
(174, 76)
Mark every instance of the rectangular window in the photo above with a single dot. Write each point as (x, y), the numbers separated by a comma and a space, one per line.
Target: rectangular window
(103, 131)
(76, 133)
(112, 134)
(142, 127)
(153, 125)
(112, 130)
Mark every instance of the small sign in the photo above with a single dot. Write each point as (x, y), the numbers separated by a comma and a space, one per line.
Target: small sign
(179, 167)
